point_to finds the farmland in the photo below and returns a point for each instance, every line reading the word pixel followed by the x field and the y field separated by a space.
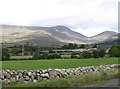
pixel 56 63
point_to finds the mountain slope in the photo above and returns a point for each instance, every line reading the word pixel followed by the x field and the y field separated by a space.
pixel 50 35
pixel 113 40
pixel 103 36
pixel 42 35
pixel 22 34
pixel 63 34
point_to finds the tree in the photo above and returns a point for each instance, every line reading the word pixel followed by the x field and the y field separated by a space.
pixel 101 53
pixel 5 54
pixel 114 51
pixel 51 51
pixel 86 54
pixel 44 56
pixel 70 46
pixel 54 56
pixel 94 46
pixel 64 47
pixel 38 56
pixel 16 51
pixel 81 55
pixel 74 55
pixel 95 54
pixel 82 46
pixel 75 46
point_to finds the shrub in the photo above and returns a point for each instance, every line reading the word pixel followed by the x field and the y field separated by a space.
pixel 54 56
pixel 114 51
pixel 86 54
pixel 5 54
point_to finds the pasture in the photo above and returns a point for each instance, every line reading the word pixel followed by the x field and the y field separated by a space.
pixel 57 63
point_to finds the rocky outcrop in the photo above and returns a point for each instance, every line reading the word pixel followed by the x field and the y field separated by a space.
pixel 11 76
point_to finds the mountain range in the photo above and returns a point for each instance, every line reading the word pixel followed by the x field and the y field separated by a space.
pixel 51 35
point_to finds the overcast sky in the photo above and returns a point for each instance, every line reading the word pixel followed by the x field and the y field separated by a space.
pixel 88 17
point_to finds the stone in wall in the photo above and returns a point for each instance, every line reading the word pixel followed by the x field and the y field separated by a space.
pixel 11 76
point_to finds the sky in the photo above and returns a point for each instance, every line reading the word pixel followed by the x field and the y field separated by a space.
pixel 88 17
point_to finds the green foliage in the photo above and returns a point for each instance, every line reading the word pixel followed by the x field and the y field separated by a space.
pixel 70 46
pixel 94 46
pixel 82 46
pixel 86 54
pixel 38 55
pixel 95 54
pixel 54 56
pixel 16 51
pixel 51 51
pixel 114 51
pixel 101 53
pixel 5 54
pixel 98 53
pixel 74 55
pixel 45 55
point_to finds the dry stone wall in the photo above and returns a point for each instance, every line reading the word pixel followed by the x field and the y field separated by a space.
pixel 11 76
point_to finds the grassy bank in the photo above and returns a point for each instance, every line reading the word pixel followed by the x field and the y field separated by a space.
pixel 75 81
pixel 62 63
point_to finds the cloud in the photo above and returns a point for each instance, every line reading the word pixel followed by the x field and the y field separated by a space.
pixel 80 15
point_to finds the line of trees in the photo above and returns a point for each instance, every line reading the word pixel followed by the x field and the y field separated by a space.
pixel 76 46
pixel 38 56
pixel 114 51
pixel 87 54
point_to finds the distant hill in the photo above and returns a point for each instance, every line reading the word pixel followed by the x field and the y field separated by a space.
pixel 113 40
pixel 104 36
pixel 50 35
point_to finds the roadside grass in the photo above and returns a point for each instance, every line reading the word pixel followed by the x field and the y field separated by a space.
pixel 58 63
pixel 74 81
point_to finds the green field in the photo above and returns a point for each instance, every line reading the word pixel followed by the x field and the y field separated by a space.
pixel 60 63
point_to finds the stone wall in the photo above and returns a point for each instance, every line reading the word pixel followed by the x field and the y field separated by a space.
pixel 11 76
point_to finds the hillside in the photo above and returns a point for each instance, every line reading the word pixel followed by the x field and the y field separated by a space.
pixel 50 35
pixel 103 36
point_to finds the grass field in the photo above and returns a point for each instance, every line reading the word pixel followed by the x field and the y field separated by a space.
pixel 62 63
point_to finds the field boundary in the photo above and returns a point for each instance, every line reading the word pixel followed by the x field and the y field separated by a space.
pixel 42 75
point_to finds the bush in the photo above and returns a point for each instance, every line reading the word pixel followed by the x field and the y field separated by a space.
pixel 40 56
pixel 95 54
pixel 70 46
pixel 82 46
pixel 114 51
pixel 98 53
pixel 54 56
pixel 101 53
pixel 5 54
pixel 73 55
pixel 86 54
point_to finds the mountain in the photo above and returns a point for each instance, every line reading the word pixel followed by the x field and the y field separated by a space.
pixel 113 40
pixel 23 34
pixel 104 36
pixel 63 34
pixel 49 35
